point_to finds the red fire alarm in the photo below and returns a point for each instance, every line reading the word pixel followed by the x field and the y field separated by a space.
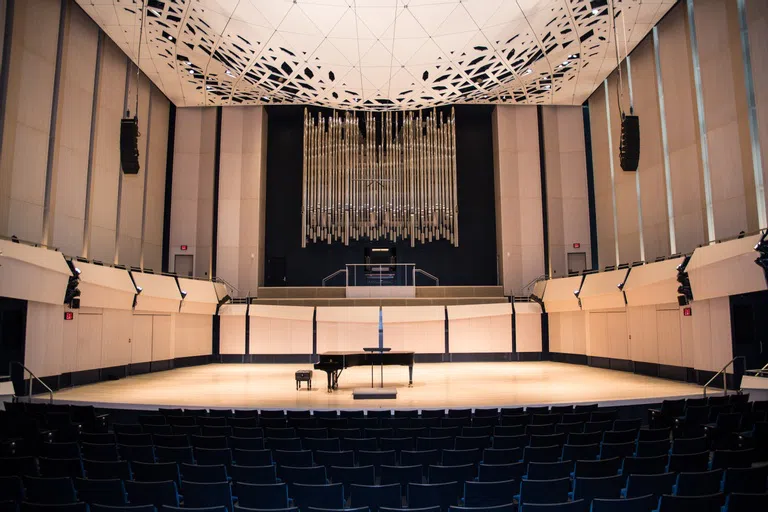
pixel 577 245
pixel 183 247
pixel 68 315
pixel 687 312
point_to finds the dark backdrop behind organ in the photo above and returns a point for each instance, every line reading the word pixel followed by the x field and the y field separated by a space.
pixel 473 262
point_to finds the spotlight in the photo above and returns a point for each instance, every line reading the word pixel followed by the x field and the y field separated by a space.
pixel 183 295
pixel 762 249
pixel 685 292
pixel 139 290
pixel 576 293
pixel 77 271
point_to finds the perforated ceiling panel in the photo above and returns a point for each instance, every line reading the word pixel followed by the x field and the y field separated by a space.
pixel 376 54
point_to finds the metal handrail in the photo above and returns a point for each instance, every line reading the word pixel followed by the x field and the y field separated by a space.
pixel 426 274
pixel 758 372
pixel 532 283
pixel 31 381
pixel 725 376
pixel 226 283
pixel 328 278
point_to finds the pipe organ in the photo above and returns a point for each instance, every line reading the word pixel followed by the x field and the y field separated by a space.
pixel 388 176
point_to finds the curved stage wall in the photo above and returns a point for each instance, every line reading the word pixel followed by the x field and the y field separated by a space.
pixel 473 262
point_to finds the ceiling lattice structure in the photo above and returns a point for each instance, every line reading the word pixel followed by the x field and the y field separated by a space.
pixel 376 54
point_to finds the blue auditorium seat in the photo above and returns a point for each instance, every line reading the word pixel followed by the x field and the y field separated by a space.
pixel 49 490
pixel 330 496
pixel 502 456
pixel 461 457
pixel 568 428
pixel 107 469
pixel 335 458
pixel 500 472
pixel 203 474
pixel 726 459
pixel 621 450
pixel 569 506
pixel 742 502
pixel 697 484
pixel 548 440
pixel 152 493
pixel 292 444
pixel 690 445
pixel 314 475
pixel 327 444
pixel 48 507
pixel 212 456
pixel 375 496
pixel 131 453
pixel 541 454
pixel 253 474
pixel 432 495
pixel 549 470
pixel 489 494
pixel 509 507
pixel 653 448
pixel 11 489
pixel 246 429
pixel 620 436
pixel 103 492
pixel 98 437
pixel 644 465
pixel 479 442
pixel 640 504
pixel 252 457
pixel 581 451
pixel 654 434
pixel 348 475
pixel 398 444
pixel 690 462
pixel 402 475
pixel 53 468
pixel 205 495
pixel 544 491
pixel 133 438
pixel 262 496
pixel 585 438
pixel 505 442
pixel 121 508
pixel 457 474
pixel 312 433
pixel 156 472
pixel 293 458
pixel 102 452
pixel 598 487
pixel 477 430
pixel 424 457
pixel 643 485
pixel 176 440
pixel 510 430
pixel 706 503
pixel 376 458
pixel 211 442
pixel 746 480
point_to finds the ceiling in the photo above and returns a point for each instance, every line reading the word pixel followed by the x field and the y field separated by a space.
pixel 376 54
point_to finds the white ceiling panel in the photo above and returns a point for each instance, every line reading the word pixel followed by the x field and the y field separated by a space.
pixel 375 54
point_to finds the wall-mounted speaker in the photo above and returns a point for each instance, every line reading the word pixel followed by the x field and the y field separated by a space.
pixel 629 150
pixel 129 145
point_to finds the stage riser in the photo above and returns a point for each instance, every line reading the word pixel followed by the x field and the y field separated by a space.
pixel 339 292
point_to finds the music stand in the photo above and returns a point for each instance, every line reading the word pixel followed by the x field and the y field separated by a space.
pixel 381 351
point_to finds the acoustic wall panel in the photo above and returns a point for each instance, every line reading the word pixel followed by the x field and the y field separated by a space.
pixel 32 273
pixel 193 335
pixel 654 283
pixel 419 329
pixel 201 296
pixel 601 290
pixel 527 327
pixel 347 328
pixel 726 268
pixel 159 294
pixel 480 328
pixel 232 328
pixel 559 294
pixel 105 287
pixel 280 329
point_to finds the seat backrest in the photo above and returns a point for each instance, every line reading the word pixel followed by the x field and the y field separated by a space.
pixel 335 458
pixel 211 456
pixel 156 472
pixel 502 442
pixel 568 506
pixel 541 454
pixel 692 462
pixel 246 443
pixel 502 456
pixel 348 475
pixel 252 457
pixel 741 502
pixel 653 448
pixel 642 485
pixel 42 507
pixel 152 493
pixel 18 466
pixel 585 438
pixel 125 508
pixel 253 474
pixel 107 469
pixel 375 496
pixel 653 434
pixel 432 495
pixel 459 457
pixel 54 468
pixel 600 487
pixel 303 475
pixel 620 436
pixel 330 496
pixel 298 458
pixel 174 454
pixel 689 445
pixel 644 465
pixel 204 474
pixel 376 458
pixel 402 475
pixel 423 457
pixel 597 468
pixel 696 484
pixel 210 494
pixel 549 470
pixel 724 459
pixel 746 480
pixel 581 451
pixel 544 491
pixel 621 450
pixel 133 439
pixel 397 443
pixel 640 504
pixel 208 441
pixel 262 496
pixel 460 473
pixel 104 492
pixel 489 494
pixel 705 503
pixel 11 489
pixel 497 472
pixel 548 440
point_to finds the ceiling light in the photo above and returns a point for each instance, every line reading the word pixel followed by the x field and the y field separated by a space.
pixel 595 12
pixel 170 37
pixel 189 63
pixel 191 71
pixel 547 86
pixel 528 72
pixel 572 56
pixel 265 98
pixel 208 87
pixel 155 12
pixel 566 62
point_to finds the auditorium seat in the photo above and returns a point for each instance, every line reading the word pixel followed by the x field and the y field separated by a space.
pixel 329 496
pixel 581 451
pixel 621 450
pixel 262 496
pixel 348 475
pixel 332 422
pixel 103 492
pixel 435 443
pixel 567 428
pixel 653 448
pixel 457 474
pixel 279 432
pixel 362 423
pixel 53 468
pixel 98 437
pixel 107 469
pixel 325 414
pixel 212 494
pixel 166 508
pixel 654 434
pixel 461 457
pixel 180 420
pixel 178 455
pixel 151 419
pixel 489 494
pixel 707 503
pixel 441 495
pixel 620 436
pixel 423 457
pixel 509 430
pixel 61 450
pixel 504 456
pixel 549 470
pixel 335 458
pixel 628 424
pixel 379 413
pixel 44 507
pixel 202 474
pixel 479 442
pixel 299 414
pixel 515 420
pixel 156 472
pixel 657 485
pixel 131 439
pixel 253 474
pixel 597 487
pixel 581 438
pixel 379 432
pixel 746 480
pixel 487 412
pixel 639 504
pixel 504 442
pixel 598 426
pixel 500 472
pixel 725 459
pixel 130 453
pixel 247 431
pixel 644 465
pixel 540 430
pixel 246 443
pixel 152 493
pixel 397 443
pixel 295 458
pixel 271 413
pixel 328 444
pixel 741 502
pixel 216 431
pixel 601 415
pixel 413 433
pixel 690 445
pixel 509 411
pixel 569 506
pixel 121 508
pixel 302 475
pixel 49 490
pixel 541 454
pixel 11 489
pixel 697 484
pixel 596 468
pixel 357 444
pixel 376 458
pixel 345 433
pixel 547 440
pixel 402 475
pixel 101 452
pixel 209 457
pixel 126 428
pixel 211 442
pixel 18 466
pixel 375 496
pixel 544 491
pixel 187 430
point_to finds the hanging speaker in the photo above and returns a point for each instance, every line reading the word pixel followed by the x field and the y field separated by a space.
pixel 629 150
pixel 129 145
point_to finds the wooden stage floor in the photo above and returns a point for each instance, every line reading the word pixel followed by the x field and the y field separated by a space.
pixel 435 385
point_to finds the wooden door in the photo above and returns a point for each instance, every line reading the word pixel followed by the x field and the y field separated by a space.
pixel 141 342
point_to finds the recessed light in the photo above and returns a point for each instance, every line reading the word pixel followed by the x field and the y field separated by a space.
pixel 595 12
pixel 155 12
pixel 566 62
pixel 191 71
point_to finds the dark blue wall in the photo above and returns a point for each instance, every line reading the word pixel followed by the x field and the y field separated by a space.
pixel 473 262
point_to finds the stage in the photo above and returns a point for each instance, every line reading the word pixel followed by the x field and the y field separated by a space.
pixel 435 385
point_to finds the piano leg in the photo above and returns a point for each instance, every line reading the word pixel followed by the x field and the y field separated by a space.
pixel 410 376
pixel 330 381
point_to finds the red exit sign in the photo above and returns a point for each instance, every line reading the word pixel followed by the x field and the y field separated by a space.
pixel 687 312
pixel 183 247
pixel 68 315
pixel 577 245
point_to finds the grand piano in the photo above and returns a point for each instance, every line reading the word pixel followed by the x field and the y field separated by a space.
pixel 333 363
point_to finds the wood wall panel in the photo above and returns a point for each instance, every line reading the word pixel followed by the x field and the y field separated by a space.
pixel 669 337
pixel 606 240
pixel 757 27
pixel 141 341
pixel 116 337
pixel 152 235
pixel 89 350
pixel 162 337
pixel 192 335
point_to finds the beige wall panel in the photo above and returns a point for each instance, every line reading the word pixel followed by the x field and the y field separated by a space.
pixel 425 337
pixel 579 329
pixel 598 341
pixel 27 118
pixel 280 336
pixel 528 333
pixel 44 339
pixel 116 337
pixel 669 336
pixel 155 193
pixel 602 179
pixel 106 153
pixel 192 335
pixel 89 344
pixel 489 334
pixel 682 130
pixel 141 341
pixel 643 335
pixel 132 194
pixel 757 26
pixel 702 335
pixel 73 132
pixel 653 188
pixel 725 107
pixel 162 337
pixel 555 339
pixel 232 334
pixel 720 325
pixel 343 336
pixel 617 335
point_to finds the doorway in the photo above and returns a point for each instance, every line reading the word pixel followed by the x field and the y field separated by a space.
pixel 183 265
pixel 275 272
pixel 577 262
pixel 749 328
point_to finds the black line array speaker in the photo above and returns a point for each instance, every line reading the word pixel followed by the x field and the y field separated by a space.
pixel 629 150
pixel 129 145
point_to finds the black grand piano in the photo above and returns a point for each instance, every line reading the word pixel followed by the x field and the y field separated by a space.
pixel 333 363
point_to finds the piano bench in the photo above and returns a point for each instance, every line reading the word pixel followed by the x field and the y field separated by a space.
pixel 303 376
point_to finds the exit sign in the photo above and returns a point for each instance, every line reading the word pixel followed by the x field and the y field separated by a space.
pixel 577 245
pixel 687 312
pixel 68 315
pixel 183 247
